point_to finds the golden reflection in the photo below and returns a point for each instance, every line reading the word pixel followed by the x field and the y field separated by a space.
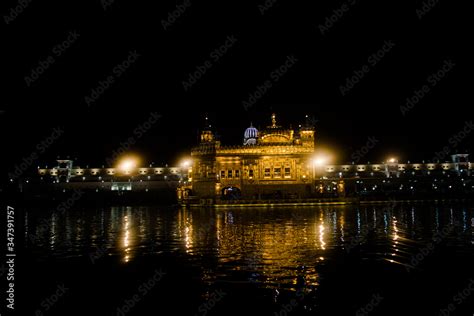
pixel 262 251
pixel 322 243
pixel 342 222
pixel 395 229
pixel 188 236
pixel 186 223
pixel 197 229
pixel 127 238
pixel 218 228
pixel 321 237
pixel 395 235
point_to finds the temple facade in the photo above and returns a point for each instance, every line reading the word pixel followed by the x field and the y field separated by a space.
pixel 273 162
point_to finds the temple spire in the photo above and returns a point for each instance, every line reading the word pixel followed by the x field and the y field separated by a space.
pixel 274 120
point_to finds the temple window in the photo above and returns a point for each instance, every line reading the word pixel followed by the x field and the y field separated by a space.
pixel 267 173
pixel 277 172
pixel 287 172
pixel 251 173
pixel 237 173
pixel 222 174
pixel 229 174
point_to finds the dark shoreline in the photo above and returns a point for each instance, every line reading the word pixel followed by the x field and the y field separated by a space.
pixel 168 199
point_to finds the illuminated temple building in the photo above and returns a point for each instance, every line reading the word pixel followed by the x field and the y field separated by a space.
pixel 273 162
pixel 279 163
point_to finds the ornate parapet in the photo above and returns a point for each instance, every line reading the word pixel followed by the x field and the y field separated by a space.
pixel 97 172
pixel 395 168
pixel 264 149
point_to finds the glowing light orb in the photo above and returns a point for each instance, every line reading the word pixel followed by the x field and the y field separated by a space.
pixel 127 165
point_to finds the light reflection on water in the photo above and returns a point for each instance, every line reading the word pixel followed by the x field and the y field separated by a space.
pixel 271 247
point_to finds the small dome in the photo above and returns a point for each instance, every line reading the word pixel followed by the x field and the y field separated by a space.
pixel 251 132
pixel 250 136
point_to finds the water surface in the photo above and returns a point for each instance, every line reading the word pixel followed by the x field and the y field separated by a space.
pixel 395 259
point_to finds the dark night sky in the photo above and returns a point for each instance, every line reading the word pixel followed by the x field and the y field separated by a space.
pixel 154 82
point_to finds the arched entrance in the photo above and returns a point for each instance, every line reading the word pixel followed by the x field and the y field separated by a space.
pixel 230 193
pixel 184 193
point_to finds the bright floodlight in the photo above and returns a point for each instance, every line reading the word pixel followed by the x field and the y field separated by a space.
pixel 186 163
pixel 392 160
pixel 127 165
pixel 320 161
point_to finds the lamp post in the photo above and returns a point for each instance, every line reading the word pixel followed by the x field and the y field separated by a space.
pixel 128 165
pixel 391 166
pixel 318 165
pixel 185 165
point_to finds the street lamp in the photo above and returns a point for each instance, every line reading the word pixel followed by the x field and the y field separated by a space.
pixel 126 165
pixel 391 166
pixel 319 161
pixel 185 166
pixel 186 163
